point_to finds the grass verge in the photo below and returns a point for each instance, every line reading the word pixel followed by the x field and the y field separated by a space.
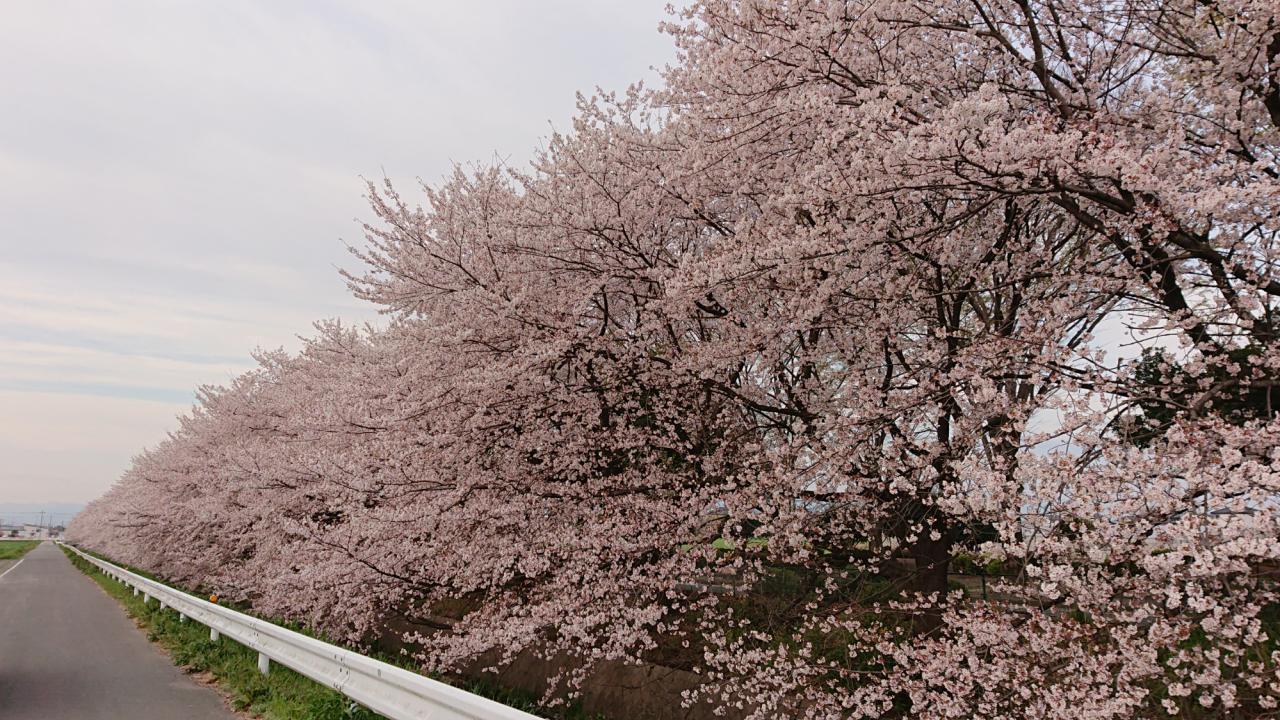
pixel 14 549
pixel 281 695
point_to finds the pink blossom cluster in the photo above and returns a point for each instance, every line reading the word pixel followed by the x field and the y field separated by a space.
pixel 894 359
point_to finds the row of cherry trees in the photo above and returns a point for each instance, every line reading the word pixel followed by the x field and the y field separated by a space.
pixel 870 293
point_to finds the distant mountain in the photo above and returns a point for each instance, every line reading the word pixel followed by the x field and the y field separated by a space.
pixel 55 513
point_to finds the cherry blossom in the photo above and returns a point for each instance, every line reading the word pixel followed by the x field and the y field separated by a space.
pixel 756 374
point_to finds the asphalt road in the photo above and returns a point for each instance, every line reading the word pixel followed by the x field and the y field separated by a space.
pixel 69 652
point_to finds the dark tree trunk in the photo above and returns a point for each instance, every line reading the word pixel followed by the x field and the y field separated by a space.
pixel 933 562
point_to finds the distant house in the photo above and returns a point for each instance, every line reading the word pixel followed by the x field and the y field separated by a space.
pixel 30 530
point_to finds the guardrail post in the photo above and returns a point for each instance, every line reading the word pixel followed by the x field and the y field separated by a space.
pixel 264 663
pixel 214 635
pixel 136 591
pixel 145 598
pixel 182 617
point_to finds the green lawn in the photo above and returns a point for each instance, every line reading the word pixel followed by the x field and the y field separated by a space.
pixel 14 549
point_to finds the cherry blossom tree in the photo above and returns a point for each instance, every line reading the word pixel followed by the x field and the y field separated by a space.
pixel 742 373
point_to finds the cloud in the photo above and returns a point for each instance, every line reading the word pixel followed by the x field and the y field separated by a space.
pixel 65 448
pixel 181 177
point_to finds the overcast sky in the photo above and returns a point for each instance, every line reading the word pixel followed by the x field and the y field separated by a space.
pixel 178 179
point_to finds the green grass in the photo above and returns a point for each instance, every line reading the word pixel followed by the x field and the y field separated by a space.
pixel 280 695
pixel 14 549
pixel 283 694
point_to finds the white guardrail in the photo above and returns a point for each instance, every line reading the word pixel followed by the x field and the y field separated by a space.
pixel 384 688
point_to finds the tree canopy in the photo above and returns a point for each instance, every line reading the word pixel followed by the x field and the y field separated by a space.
pixel 742 372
